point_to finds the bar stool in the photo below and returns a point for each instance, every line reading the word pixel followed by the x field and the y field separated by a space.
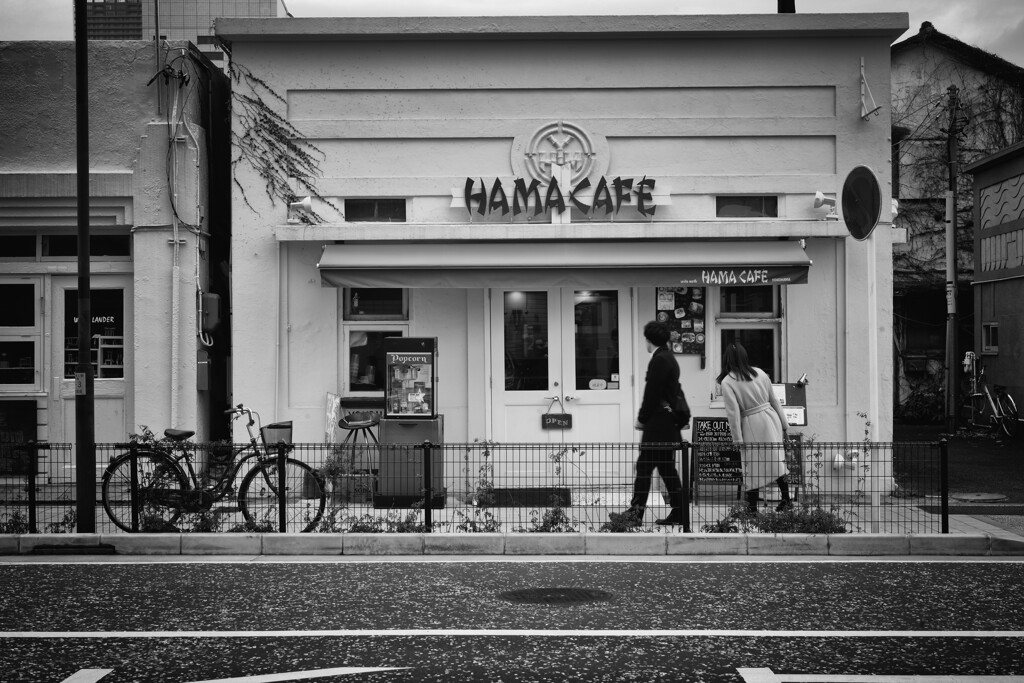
pixel 360 423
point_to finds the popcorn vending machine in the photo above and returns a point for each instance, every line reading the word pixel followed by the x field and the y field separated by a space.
pixel 410 387
pixel 410 419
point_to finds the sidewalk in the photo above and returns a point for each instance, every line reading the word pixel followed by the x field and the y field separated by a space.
pixel 968 536
pixel 986 477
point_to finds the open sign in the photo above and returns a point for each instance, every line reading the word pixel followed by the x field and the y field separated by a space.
pixel 556 421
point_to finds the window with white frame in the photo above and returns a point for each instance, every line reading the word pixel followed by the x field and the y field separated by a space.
pixel 20 333
pixel 363 362
pixel 753 317
pixel 363 303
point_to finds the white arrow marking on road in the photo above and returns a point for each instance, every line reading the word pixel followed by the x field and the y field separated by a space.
pixel 87 676
pixel 302 675
pixel 769 676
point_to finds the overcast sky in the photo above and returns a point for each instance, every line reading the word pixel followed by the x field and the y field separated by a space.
pixel 993 25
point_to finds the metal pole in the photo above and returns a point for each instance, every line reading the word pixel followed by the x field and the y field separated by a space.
pixel 33 467
pixel 428 491
pixel 85 430
pixel 282 495
pixel 952 393
pixel 944 483
pixel 133 493
pixel 686 486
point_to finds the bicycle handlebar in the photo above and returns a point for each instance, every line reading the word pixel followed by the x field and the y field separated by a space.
pixel 240 409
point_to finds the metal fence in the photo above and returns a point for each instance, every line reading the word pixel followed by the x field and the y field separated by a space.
pixel 471 487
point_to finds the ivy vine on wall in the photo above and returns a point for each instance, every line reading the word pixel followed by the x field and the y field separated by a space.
pixel 267 142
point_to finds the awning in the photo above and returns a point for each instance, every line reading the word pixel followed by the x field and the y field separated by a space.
pixel 523 265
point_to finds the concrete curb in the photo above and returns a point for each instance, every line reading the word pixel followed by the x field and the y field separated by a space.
pixel 515 544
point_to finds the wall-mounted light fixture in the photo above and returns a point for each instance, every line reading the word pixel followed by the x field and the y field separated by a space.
pixel 820 200
pixel 303 206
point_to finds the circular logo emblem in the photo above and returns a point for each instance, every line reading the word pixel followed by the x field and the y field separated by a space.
pixel 559 144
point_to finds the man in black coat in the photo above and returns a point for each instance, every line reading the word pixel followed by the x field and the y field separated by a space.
pixel 658 424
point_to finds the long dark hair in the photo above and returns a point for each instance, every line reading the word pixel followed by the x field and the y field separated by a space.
pixel 735 360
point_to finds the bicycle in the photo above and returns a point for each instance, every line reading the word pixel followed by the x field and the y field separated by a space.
pixel 155 483
pixel 983 409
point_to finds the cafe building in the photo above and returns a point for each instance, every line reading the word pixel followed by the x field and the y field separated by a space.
pixel 530 191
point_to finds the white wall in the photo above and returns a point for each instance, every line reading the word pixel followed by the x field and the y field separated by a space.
pixel 414 118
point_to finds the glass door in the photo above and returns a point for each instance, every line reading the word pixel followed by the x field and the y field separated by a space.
pixel 561 352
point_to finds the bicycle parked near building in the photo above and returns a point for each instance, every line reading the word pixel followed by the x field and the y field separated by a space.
pixel 163 476
pixel 983 409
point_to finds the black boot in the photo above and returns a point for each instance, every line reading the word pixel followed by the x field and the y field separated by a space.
pixel 674 517
pixel 786 503
pixel 752 501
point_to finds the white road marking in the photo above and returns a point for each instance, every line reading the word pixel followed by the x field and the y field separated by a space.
pixel 302 675
pixel 440 632
pixel 768 676
pixel 87 676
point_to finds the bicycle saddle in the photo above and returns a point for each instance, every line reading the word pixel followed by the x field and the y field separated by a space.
pixel 177 434
pixel 359 420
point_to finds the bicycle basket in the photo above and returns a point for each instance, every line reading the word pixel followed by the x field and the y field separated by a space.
pixel 274 433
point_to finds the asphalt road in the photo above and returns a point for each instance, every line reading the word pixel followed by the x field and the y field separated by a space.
pixel 375 619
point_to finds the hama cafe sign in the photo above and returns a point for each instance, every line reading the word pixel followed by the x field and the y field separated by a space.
pixel 557 169
pixel 607 196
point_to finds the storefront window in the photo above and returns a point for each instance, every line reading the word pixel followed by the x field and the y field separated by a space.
pixel 760 346
pixel 747 206
pixel 526 341
pixel 17 246
pixel 107 343
pixel 386 210
pixel 750 315
pixel 749 301
pixel 19 333
pixel 366 359
pixel 106 246
pixel 597 337
pixel 376 304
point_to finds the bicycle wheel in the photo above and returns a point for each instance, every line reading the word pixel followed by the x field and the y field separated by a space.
pixel 1008 408
pixel 304 496
pixel 161 487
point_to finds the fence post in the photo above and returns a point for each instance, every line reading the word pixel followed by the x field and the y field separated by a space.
pixel 944 483
pixel 428 490
pixel 133 493
pixel 33 466
pixel 282 495
pixel 685 475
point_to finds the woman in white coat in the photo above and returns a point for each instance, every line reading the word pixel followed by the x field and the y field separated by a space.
pixel 755 417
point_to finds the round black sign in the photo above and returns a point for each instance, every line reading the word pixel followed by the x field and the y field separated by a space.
pixel 862 202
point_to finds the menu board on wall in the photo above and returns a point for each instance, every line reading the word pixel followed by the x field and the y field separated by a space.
pixel 682 309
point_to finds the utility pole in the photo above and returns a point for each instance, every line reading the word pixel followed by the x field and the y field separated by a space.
pixel 85 429
pixel 952 365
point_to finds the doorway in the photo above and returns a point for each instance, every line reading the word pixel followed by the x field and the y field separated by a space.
pixel 562 351
pixel 110 354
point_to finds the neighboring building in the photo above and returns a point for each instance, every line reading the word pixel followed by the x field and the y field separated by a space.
pixel 158 207
pixel 989 115
pixel 999 267
pixel 178 20
pixel 113 19
pixel 703 140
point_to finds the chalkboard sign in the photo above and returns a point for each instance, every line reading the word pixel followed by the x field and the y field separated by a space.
pixel 717 459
